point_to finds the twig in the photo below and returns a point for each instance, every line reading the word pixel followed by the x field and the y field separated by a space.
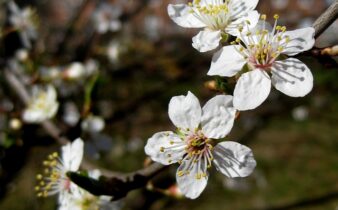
pixel 326 19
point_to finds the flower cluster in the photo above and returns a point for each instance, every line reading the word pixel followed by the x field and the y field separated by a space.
pixel 256 58
pixel 55 181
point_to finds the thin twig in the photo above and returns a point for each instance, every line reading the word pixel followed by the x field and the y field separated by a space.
pixel 326 19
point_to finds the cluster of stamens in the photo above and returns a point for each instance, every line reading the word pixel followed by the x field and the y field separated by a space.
pixel 215 16
pixel 53 178
pixel 199 152
pixel 262 48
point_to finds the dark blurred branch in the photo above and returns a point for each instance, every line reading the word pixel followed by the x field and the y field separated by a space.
pixel 117 186
pixel 326 19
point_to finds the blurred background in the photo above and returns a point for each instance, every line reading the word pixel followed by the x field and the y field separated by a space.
pixel 143 60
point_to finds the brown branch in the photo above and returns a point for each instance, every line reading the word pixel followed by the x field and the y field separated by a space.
pixel 326 19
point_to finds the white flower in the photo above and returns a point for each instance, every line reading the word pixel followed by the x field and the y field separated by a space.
pixel 82 200
pixel 43 105
pixel 217 17
pixel 23 21
pixel 78 70
pixel 261 50
pixel 93 124
pixel 191 145
pixel 106 18
pixel 54 180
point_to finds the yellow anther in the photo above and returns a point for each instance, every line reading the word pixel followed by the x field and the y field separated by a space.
pixel 169 155
pixel 198 176
pixel 276 16
pixel 161 149
pixel 238 40
pixel 39 177
pixel 263 17
pixel 37 188
pixel 180 173
pixel 171 142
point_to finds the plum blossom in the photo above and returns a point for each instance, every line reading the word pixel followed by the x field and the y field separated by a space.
pixel 106 18
pixel 218 18
pixel 191 146
pixel 54 179
pixel 24 21
pixel 260 49
pixel 82 200
pixel 43 105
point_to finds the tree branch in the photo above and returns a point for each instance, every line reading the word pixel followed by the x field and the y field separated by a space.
pixel 326 19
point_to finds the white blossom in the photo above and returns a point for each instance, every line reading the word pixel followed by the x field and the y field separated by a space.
pixel 106 18
pixel 54 179
pixel 80 199
pixel 42 106
pixel 93 124
pixel 260 49
pixel 217 17
pixel 191 146
pixel 23 21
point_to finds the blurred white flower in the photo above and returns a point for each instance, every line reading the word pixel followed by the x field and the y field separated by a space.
pixel 82 200
pixel 218 18
pixel 106 18
pixel 191 145
pixel 93 124
pixel 49 73
pixel 21 55
pixel 152 27
pixel 280 4
pixel 74 71
pixel 54 179
pixel 43 105
pixel 15 124
pixel 24 21
pixel 260 49
pixel 71 114
pixel 300 113
pixel 114 51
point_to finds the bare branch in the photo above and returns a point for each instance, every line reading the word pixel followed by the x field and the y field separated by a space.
pixel 326 19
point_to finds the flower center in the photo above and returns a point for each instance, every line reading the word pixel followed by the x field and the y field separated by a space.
pixel 54 179
pixel 215 15
pixel 261 48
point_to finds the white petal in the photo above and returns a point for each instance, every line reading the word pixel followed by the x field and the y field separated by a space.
pixel 300 40
pixel 181 15
pixel 292 77
pixel 226 62
pixel 206 40
pixel 218 117
pixel 252 16
pixel 72 154
pixel 188 183
pixel 233 159
pixel 33 116
pixel 239 8
pixel 251 90
pixel 165 148
pixel 185 111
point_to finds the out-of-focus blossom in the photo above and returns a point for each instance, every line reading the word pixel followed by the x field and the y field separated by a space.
pixel 152 27
pixel 191 145
pixel 218 18
pixel 280 4
pixel 300 113
pixel 83 200
pixel 114 51
pixel 106 18
pixel 93 124
pixel 54 179
pixel 74 71
pixel 71 114
pixel 15 124
pixel 260 50
pixel 21 55
pixel 24 21
pixel 49 73
pixel 42 106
